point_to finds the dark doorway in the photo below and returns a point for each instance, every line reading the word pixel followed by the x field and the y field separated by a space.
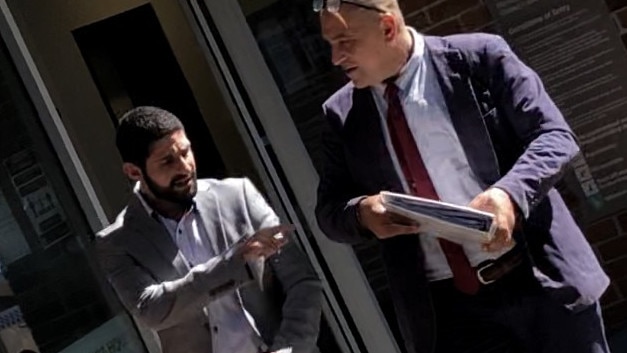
pixel 132 64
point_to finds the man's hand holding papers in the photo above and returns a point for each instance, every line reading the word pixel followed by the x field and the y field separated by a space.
pixel 384 224
pixel 455 223
pixel 497 202
pixel 489 218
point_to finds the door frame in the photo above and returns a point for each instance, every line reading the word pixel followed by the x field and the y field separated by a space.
pixel 71 165
pixel 232 52
pixel 50 119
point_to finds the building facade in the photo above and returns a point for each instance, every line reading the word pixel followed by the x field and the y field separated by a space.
pixel 247 78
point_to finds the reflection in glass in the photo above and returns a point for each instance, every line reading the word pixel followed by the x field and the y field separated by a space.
pixel 51 296
pixel 288 36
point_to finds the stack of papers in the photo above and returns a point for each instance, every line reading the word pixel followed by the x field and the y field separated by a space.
pixel 456 223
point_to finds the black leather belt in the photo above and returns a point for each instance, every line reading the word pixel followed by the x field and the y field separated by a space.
pixel 492 270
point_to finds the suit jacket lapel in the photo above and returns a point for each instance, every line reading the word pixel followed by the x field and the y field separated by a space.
pixel 454 78
pixel 209 208
pixel 153 243
pixel 365 124
pixel 221 223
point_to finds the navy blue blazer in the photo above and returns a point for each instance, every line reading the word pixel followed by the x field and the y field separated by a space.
pixel 514 137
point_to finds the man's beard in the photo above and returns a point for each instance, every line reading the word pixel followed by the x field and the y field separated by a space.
pixel 170 194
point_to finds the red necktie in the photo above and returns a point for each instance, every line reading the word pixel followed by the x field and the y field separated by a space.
pixel 419 182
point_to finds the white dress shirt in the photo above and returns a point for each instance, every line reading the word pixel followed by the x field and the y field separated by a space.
pixel 233 329
pixel 442 153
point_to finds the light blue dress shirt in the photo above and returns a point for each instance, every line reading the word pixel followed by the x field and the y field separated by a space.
pixel 442 153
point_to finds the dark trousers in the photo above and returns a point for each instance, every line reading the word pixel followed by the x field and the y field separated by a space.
pixel 513 315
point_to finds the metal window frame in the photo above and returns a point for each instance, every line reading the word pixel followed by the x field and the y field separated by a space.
pixel 263 95
pixel 53 126
pixel 50 119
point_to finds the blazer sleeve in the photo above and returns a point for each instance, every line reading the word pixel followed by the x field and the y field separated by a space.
pixel 301 310
pixel 338 196
pixel 537 122
pixel 160 305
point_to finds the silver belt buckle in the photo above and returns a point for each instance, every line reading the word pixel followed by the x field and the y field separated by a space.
pixel 480 276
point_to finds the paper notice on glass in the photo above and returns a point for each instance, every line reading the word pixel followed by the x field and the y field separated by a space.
pixel 456 223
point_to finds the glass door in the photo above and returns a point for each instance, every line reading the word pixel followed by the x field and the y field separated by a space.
pixel 277 70
pixel 52 296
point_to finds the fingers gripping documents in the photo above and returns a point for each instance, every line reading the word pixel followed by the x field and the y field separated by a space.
pixel 456 223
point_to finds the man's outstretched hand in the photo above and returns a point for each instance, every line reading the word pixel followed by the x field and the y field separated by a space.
pixel 265 242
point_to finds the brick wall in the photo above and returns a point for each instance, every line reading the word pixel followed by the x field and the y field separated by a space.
pixel 446 16
pixel 608 236
pixel 619 10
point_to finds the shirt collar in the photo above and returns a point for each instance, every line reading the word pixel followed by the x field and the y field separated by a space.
pixel 151 212
pixel 139 195
pixel 408 73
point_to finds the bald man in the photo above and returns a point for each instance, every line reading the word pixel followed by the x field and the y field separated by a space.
pixel 463 120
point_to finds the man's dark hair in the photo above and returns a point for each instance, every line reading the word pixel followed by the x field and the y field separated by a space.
pixel 139 128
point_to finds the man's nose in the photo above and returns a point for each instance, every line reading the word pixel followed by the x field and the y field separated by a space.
pixel 186 164
pixel 337 56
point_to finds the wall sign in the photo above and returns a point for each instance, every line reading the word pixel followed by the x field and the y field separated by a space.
pixel 575 47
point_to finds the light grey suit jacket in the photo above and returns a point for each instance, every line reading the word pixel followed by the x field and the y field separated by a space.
pixel 151 278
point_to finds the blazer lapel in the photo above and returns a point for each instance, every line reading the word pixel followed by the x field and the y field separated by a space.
pixel 209 208
pixel 454 78
pixel 222 223
pixel 154 244
pixel 365 124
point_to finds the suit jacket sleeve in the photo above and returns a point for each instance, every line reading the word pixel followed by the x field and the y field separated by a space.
pixel 549 142
pixel 303 292
pixel 161 305
pixel 338 196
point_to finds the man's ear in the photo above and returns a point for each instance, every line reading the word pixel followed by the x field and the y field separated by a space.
pixel 389 27
pixel 132 171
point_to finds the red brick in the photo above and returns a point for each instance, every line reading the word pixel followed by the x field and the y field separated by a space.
pixel 616 4
pixel 575 210
pixel 476 18
pixel 622 17
pixel 446 28
pixel 622 287
pixel 409 6
pixel 449 8
pixel 614 248
pixel 622 218
pixel 419 21
pixel 611 296
pixel 570 197
pixel 601 230
pixel 597 254
pixel 615 315
pixel 617 270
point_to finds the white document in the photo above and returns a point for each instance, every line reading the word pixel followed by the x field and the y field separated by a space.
pixel 456 223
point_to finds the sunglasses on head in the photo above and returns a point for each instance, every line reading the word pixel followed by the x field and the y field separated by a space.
pixel 334 5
